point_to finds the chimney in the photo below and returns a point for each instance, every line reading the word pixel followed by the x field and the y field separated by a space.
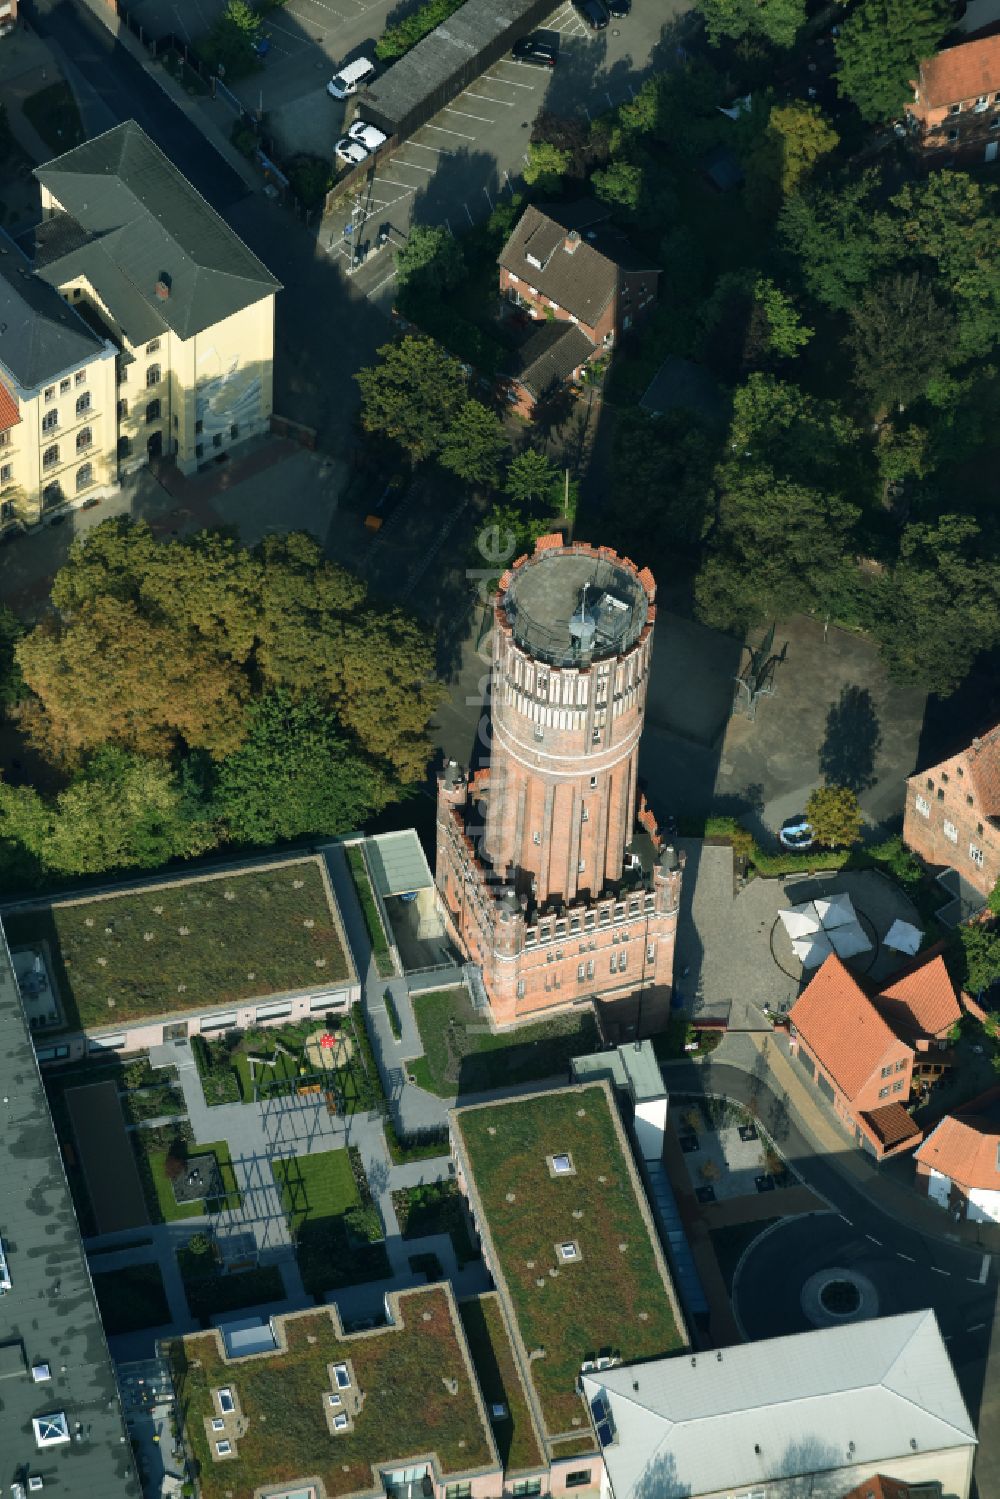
pixel 162 287
pixel 572 241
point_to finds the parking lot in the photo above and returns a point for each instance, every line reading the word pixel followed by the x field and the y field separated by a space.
pixel 454 168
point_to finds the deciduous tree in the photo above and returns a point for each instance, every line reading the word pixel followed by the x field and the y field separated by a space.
pixel 880 47
pixel 834 816
pixel 900 337
pixel 431 261
pixel 798 136
pixel 474 444
pixel 413 395
pixel 546 166
pixel 774 21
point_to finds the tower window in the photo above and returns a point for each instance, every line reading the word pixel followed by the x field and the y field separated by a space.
pixel 593 783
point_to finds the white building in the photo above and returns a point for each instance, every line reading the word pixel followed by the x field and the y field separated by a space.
pixel 959 1163
pixel 814 1414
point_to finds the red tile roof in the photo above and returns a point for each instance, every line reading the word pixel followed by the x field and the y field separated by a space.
pixel 880 1487
pixel 962 72
pixel 10 412
pixel 965 1149
pixel 841 1027
pixel 921 1001
pixel 982 760
pixel 890 1126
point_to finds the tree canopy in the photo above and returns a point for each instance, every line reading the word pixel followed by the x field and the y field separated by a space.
pixel 880 47
pixel 774 21
pixel 413 395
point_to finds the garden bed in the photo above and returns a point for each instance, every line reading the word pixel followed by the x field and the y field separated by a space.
pixel 369 909
pixel 153 1148
pixel 423 1145
pixel 435 1208
pixel 462 1055
pixel 210 1293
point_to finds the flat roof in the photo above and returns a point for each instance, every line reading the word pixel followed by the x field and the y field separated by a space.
pixel 614 1296
pixel 411 1396
pixel 574 586
pixel 49 1316
pixel 397 863
pixel 500 1381
pixel 170 946
pixel 632 1066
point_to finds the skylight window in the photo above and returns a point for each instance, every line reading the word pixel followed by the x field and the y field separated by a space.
pixel 334 1400
pixel 226 1401
pixel 40 1373
pixel 218 1424
pixel 224 1448
pixel 51 1430
pixel 342 1376
pixel 4 1272
pixel 340 1422
pixel 562 1165
pixel 499 1411
pixel 569 1250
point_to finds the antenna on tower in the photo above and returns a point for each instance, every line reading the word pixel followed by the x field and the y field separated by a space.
pixel 582 629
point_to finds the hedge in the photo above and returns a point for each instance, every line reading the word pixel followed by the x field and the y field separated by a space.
pixel 397 40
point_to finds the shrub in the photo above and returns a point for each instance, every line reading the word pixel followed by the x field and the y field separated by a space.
pixel 421 1145
pixel 395 1024
pixel 397 40
pixel 311 179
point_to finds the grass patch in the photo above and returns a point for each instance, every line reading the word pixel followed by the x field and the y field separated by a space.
pixel 210 1293
pixel 153 1146
pixel 493 1356
pixel 594 1302
pixel 373 921
pixel 213 941
pixel 336 1227
pixel 424 1145
pixel 435 1208
pixel 462 1054
pixel 729 1243
pixel 54 114
pixel 408 1372
pixel 131 1298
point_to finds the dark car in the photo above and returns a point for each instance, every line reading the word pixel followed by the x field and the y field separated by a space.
pixel 619 8
pixel 533 49
pixel 593 12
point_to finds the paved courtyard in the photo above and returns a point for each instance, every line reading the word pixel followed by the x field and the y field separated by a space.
pixel 726 963
pixel 727 1159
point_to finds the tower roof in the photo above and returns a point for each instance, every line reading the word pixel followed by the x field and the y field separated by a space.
pixel 570 603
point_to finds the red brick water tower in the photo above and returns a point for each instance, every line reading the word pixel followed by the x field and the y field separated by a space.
pixel 552 875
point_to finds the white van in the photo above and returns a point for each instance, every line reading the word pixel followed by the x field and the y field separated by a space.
pixel 351 78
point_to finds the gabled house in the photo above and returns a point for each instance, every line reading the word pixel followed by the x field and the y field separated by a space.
pixel 566 265
pixel 865 1052
pixel 959 1162
pixel 955 114
pixel 952 818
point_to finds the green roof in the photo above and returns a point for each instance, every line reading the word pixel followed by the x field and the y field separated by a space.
pixel 172 946
pixel 143 217
pixel 500 1381
pixel 616 1296
pixel 420 1399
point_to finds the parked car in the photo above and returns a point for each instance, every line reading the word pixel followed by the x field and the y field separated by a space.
pixel 532 49
pixel 370 137
pixel 796 833
pixel 353 152
pixel 619 8
pixel 354 76
pixel 593 12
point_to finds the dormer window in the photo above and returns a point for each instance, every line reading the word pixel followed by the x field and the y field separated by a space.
pixel 533 260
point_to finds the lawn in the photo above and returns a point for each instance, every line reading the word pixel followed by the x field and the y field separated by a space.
pixel 209 1293
pixel 615 1294
pixel 336 1227
pixel 193 945
pixel 500 1382
pixel 54 114
pixel 370 911
pixel 462 1054
pixel 435 1208
pixel 152 1146
pixel 131 1298
pixel 420 1399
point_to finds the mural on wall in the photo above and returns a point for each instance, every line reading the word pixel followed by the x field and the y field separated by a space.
pixel 227 394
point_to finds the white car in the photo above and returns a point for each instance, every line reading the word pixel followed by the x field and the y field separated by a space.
pixel 350 151
pixel 368 135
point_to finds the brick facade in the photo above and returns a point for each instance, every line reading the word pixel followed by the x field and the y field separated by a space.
pixel 950 815
pixel 634 298
pixel 550 870
pixel 955 114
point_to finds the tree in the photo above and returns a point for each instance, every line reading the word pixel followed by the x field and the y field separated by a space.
pixel 901 454
pixel 229 44
pixel 979 963
pixel 993 899
pixel 294 775
pixel 774 21
pixel 940 605
pixel 430 262
pixel 777 423
pixel 531 477
pixel 11 681
pixel 830 232
pixel 879 49
pixel 749 323
pixel 620 183
pixel 834 816
pixel 797 137
pixel 546 166
pixel 900 337
pixel 662 498
pixel 474 444
pixel 413 396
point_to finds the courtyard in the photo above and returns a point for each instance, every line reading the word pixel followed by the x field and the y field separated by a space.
pixel 726 1152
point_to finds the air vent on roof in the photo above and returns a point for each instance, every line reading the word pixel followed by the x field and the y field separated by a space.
pixel 572 242
pixel 162 287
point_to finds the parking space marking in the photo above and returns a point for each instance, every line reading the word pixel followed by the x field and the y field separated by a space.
pixel 438 150
pixel 984 1270
pixel 444 131
pixel 903 1256
pixel 483 119
pixel 511 82
pixel 938 1271
pixel 412 166
pixel 873 1238
pixel 489 99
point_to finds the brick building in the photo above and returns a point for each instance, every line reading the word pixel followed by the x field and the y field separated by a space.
pixel 952 818
pixel 551 872
pixel 868 1052
pixel 958 1164
pixel 566 266
pixel 955 114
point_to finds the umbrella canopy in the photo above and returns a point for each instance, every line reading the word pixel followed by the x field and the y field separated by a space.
pixel 902 937
pixel 813 950
pixel 800 921
pixel 835 910
pixel 821 927
pixel 849 940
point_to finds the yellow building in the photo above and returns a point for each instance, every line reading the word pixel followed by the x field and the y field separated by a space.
pixel 159 290
pixel 58 433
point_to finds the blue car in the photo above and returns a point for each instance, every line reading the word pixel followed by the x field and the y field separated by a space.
pixel 796 833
